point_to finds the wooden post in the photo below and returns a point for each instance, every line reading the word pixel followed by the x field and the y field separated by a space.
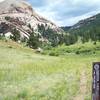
pixel 96 81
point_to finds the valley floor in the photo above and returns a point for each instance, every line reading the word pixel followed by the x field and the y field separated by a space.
pixel 25 75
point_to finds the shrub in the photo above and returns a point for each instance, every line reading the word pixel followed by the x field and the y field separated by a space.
pixel 33 41
pixel 23 94
pixel 54 54
pixel 77 52
pixel 83 51
pixel 16 35
pixel 95 43
pixel 7 18
pixel 10 47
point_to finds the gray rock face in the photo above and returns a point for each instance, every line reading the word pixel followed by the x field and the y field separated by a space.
pixel 15 6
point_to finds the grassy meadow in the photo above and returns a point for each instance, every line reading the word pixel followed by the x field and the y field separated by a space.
pixel 26 75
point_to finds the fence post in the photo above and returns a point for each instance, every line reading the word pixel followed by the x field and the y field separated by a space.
pixel 96 81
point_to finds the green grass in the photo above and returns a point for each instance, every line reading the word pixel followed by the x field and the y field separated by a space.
pixel 79 48
pixel 25 75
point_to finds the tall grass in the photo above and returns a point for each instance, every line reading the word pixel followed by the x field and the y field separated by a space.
pixel 25 75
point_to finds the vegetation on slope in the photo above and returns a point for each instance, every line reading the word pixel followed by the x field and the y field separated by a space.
pixel 87 29
pixel 79 49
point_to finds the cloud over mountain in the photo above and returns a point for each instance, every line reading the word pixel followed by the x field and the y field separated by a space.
pixel 66 12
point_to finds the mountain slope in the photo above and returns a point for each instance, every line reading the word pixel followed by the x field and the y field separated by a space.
pixel 92 21
pixel 19 14
pixel 87 29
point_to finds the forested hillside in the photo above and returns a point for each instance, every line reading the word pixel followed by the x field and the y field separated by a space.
pixel 87 29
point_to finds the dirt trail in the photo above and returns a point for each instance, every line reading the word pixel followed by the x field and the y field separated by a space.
pixel 83 82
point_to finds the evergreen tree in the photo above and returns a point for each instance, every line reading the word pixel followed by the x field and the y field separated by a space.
pixel 33 41
pixel 16 35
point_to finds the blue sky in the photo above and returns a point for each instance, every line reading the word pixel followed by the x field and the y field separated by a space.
pixel 66 12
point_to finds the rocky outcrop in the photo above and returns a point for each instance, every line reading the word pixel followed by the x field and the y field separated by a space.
pixel 20 14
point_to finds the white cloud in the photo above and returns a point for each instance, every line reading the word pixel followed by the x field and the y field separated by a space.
pixel 73 20
pixel 1 0
pixel 68 12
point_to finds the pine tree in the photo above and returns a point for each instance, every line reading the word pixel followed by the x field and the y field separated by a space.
pixel 16 35
pixel 33 41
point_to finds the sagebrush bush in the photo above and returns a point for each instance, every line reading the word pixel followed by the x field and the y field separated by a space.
pixel 54 54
